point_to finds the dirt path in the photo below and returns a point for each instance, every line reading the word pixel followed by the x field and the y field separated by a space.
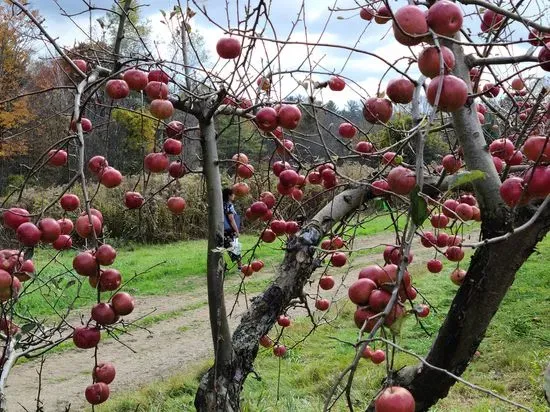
pixel 162 350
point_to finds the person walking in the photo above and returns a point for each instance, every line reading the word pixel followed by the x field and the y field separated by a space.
pixel 231 226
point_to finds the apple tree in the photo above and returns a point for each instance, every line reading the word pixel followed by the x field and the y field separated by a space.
pixel 464 79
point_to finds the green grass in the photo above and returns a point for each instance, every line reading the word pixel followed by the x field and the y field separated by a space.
pixel 512 356
pixel 149 270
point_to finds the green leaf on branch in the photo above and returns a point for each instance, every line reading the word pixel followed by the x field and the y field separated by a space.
pixel 419 207
pixel 466 177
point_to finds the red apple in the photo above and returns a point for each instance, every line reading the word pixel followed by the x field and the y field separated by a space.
pixel 289 116
pixel 537 180
pixel 364 147
pixel 535 147
pixel 86 337
pixel 104 372
pixel 174 130
pixel 400 90
pixel 85 264
pixel 57 157
pixel 383 15
pixel 85 229
pixel 491 20
pixel 445 18
pixel 360 291
pixel 338 259
pixel 109 280
pixel 434 265
pixel 81 64
pixel 279 166
pixel 240 189
pixel 283 321
pixel 84 122
pixel 105 255
pixel 457 276
pixel 136 79
pixel 156 90
pixel 133 200
pixel 454 93
pixel 268 236
pixel 176 205
pixel 511 191
pixel 172 146
pixel 156 162
pixel 451 164
pixel 15 216
pixel 268 199
pixel 366 13
pixel 429 61
pixel 454 253
pixel 96 164
pixel 401 180
pixel 266 119
pixel 69 202
pixel 380 188
pixel 439 221
pixel 449 208
pixel 347 130
pixel 464 211
pixel 63 242
pixel 394 399
pixel 322 304
pixel 279 350
pixel 110 177
pixel 326 282
pixel 117 89
pixel 103 314
pixel 66 226
pixel 28 234
pixel 292 227
pixel 377 110
pixel 123 303
pixel 336 84
pixel 158 75
pixel 161 109
pixel 409 25
pixel 50 229
pixel 517 84
pixel 266 341
pixel 97 393
pixel 544 57
pixel 228 48
pixel 177 169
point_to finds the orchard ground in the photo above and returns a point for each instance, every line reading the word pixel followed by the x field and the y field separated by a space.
pixel 172 306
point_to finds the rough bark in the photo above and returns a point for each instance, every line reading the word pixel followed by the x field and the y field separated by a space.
pixel 214 392
pixel 298 265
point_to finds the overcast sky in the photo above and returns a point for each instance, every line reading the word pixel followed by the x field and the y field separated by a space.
pixel 342 28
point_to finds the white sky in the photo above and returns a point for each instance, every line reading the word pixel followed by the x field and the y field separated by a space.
pixel 343 28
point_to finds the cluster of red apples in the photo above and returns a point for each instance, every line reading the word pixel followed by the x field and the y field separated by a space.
pixel 14 269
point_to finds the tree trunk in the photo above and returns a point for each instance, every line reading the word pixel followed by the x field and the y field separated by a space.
pixel 296 269
pixel 213 393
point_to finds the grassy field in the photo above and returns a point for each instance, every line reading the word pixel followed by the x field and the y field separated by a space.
pixel 148 270
pixel 512 356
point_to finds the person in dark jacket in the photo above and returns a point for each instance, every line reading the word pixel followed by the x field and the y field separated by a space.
pixel 231 223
